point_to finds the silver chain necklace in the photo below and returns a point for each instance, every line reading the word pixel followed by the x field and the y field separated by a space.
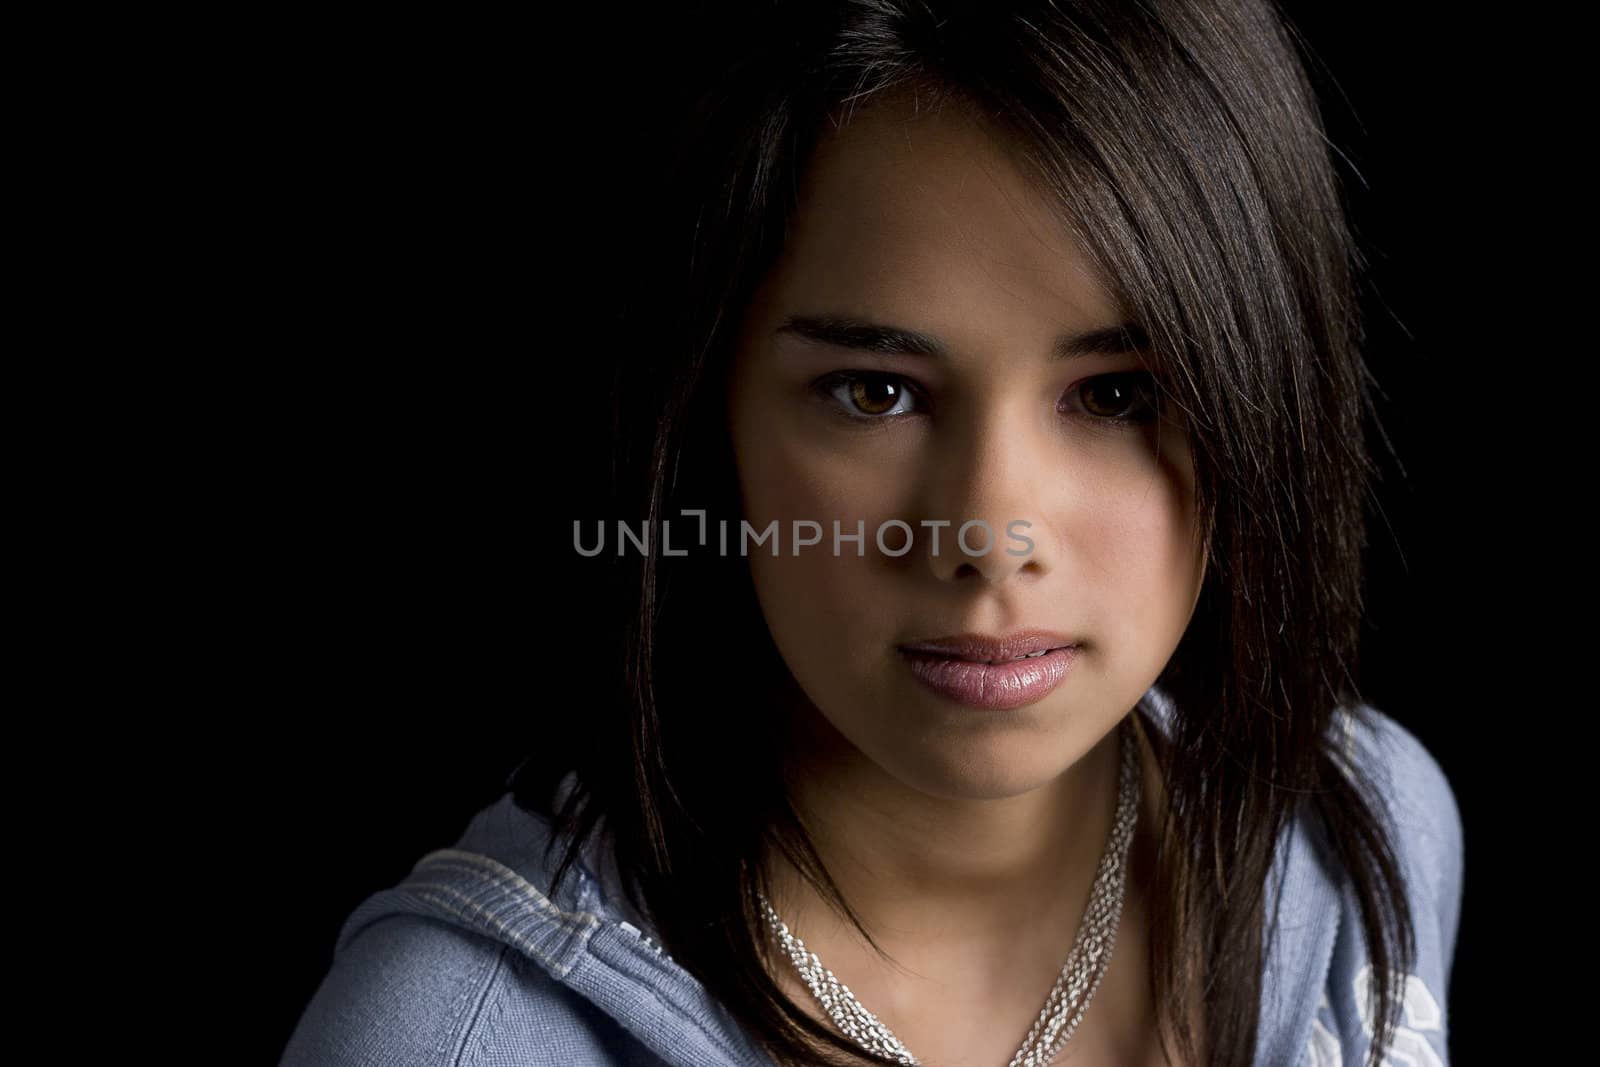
pixel 1080 975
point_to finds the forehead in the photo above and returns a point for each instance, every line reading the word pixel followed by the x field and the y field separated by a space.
pixel 928 214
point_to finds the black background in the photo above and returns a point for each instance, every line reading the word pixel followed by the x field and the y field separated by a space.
pixel 436 219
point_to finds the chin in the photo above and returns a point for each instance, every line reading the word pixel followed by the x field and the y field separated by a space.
pixel 969 774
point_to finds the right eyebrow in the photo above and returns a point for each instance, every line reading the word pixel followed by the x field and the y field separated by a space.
pixel 844 331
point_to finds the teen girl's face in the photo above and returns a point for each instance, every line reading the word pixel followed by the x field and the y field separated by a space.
pixel 923 224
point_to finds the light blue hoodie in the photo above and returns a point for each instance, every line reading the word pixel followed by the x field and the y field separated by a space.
pixel 471 961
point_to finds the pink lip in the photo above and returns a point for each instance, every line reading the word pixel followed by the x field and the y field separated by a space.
pixel 959 667
pixel 975 646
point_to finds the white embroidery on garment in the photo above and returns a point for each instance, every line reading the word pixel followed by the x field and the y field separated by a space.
pixel 1420 1012
pixel 1323 1049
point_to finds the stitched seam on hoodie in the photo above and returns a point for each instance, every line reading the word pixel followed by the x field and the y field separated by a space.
pixel 501 928
pixel 717 1040
pixel 566 922
pixel 557 969
pixel 458 1008
pixel 1324 970
pixel 501 875
pixel 508 880
pixel 472 1051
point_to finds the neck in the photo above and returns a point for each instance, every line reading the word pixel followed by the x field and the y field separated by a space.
pixel 918 868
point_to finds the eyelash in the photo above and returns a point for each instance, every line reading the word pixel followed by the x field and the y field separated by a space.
pixel 1142 382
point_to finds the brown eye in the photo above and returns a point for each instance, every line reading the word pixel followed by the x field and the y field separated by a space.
pixel 1127 397
pixel 867 396
pixel 875 396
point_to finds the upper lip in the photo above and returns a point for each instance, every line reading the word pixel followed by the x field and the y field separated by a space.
pixel 985 647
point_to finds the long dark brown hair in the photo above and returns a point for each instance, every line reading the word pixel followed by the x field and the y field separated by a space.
pixel 1183 142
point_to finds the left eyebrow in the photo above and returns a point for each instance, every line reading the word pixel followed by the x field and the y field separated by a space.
pixel 843 331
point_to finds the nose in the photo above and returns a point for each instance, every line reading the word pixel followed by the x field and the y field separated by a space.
pixel 989 481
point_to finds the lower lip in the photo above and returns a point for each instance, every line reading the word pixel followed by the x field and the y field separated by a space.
pixel 993 686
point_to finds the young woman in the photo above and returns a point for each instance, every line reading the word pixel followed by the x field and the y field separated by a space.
pixel 1026 335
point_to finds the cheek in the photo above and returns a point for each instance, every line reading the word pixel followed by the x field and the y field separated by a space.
pixel 831 615
pixel 1137 535
pixel 794 466
pixel 817 593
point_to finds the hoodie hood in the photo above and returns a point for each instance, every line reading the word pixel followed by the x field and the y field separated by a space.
pixel 495 882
